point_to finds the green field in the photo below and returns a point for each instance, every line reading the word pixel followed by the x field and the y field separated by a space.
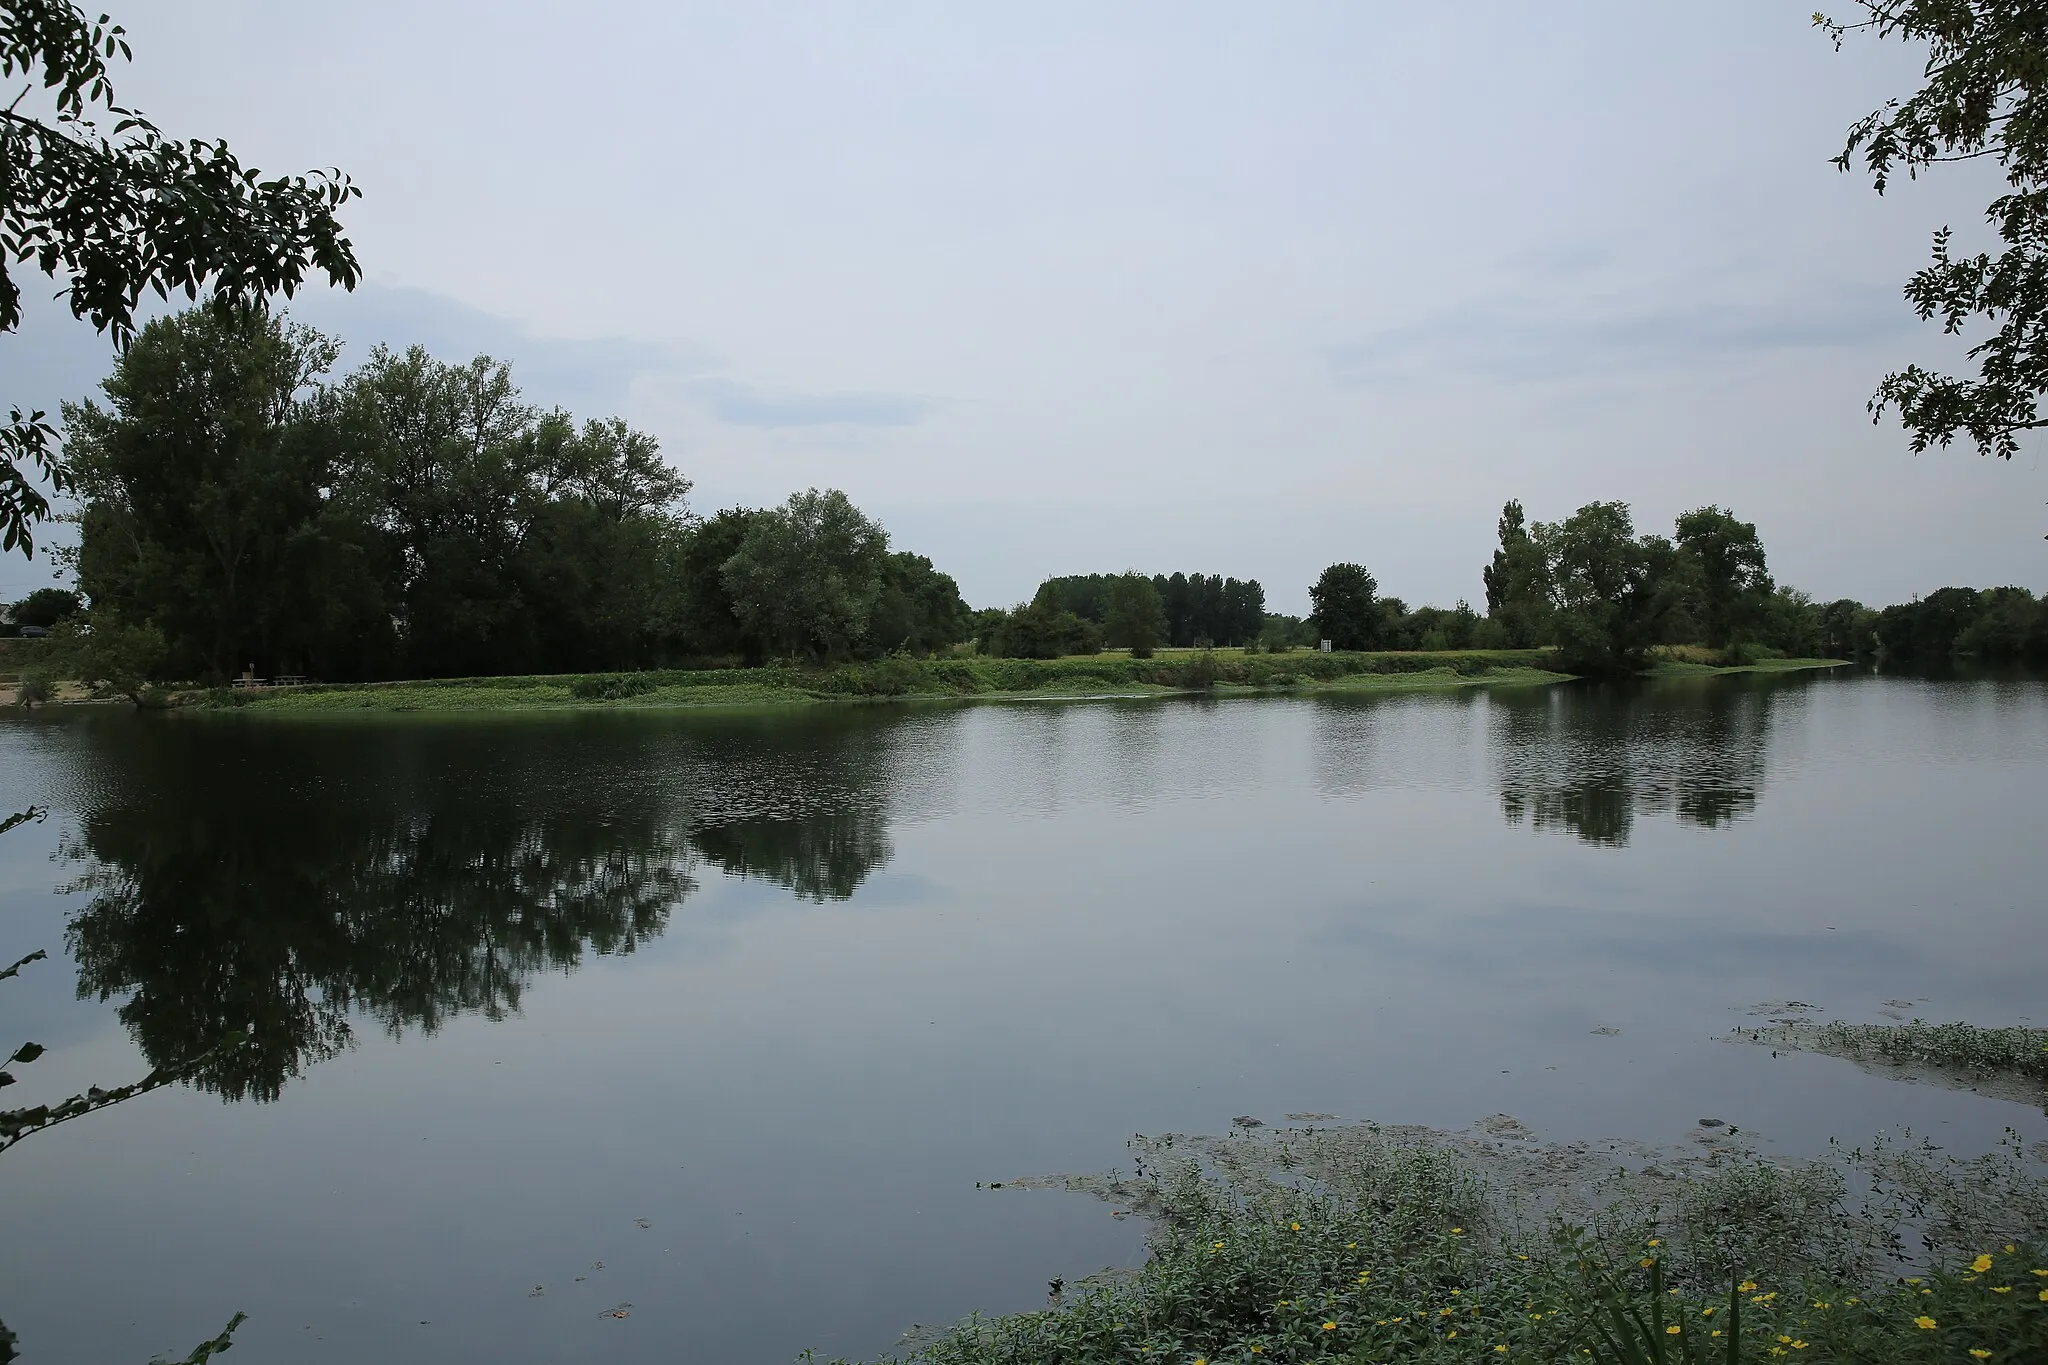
pixel 1222 672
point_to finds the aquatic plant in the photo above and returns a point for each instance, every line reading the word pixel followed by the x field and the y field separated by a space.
pixel 1377 1245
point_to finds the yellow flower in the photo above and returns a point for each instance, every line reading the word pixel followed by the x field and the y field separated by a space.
pixel 1329 1327
pixel 1524 1258
pixel 1912 1279
pixel 1783 1337
pixel 1258 1350
pixel 1457 1291
pixel 2001 1289
pixel 1798 1345
pixel 1717 1331
pixel 1295 1226
pixel 2039 1272
pixel 1215 1246
pixel 1746 1286
pixel 1980 1353
pixel 1448 1335
pixel 1925 1323
pixel 2044 1296
pixel 1981 1264
pixel 1656 1241
pixel 2010 1248
pixel 1351 1246
pixel 1673 1330
pixel 1445 1312
pixel 1502 1349
pixel 1706 1312
pixel 1647 1262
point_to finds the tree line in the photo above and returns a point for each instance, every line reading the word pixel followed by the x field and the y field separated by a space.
pixel 241 507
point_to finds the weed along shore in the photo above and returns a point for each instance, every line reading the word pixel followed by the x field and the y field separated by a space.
pixel 1371 1242
pixel 1218 672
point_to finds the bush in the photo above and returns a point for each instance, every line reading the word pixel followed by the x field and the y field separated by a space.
pixel 612 687
pixel 35 688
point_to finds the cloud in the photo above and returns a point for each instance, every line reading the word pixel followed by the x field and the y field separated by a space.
pixel 592 377
pixel 742 405
pixel 1524 341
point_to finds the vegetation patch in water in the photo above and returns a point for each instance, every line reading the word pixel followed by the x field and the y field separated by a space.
pixel 1376 1244
pixel 2009 1062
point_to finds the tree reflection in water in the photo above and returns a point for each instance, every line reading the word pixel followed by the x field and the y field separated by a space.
pixel 1588 760
pixel 427 876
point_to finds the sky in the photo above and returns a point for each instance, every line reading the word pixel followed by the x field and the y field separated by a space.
pixel 1066 288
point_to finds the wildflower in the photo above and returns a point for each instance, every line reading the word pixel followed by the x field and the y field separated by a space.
pixel 1457 1291
pixel 1351 1246
pixel 1445 1312
pixel 1329 1327
pixel 1706 1312
pixel 1716 1332
pixel 2001 1289
pixel 1980 1353
pixel 2010 1248
pixel 1981 1264
pixel 1215 1246
pixel 1459 1231
pixel 2041 1272
pixel 1912 1279
pixel 2044 1296
pixel 1295 1226
pixel 1817 1303
pixel 1746 1286
pixel 1520 1257
pixel 1647 1262
pixel 1448 1335
pixel 1925 1323
pixel 1783 1337
pixel 1798 1345
pixel 1673 1330
pixel 1501 1349
pixel 1656 1241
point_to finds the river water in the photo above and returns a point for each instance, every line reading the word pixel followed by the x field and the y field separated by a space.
pixel 512 1022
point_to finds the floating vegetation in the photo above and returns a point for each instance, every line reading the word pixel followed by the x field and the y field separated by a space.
pixel 2009 1063
pixel 1373 1243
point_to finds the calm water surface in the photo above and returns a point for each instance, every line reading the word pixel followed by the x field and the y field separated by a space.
pixel 743 1006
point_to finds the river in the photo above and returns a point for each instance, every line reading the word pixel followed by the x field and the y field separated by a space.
pixel 695 1036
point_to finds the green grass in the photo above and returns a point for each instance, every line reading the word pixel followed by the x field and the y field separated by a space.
pixel 1378 1247
pixel 1686 668
pixel 1113 673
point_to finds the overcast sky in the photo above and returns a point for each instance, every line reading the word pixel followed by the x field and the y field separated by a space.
pixel 1053 288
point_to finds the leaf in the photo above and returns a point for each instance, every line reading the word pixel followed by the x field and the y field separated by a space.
pixel 28 1052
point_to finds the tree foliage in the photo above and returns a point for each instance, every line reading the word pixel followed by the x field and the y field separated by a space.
pixel 119 212
pixel 808 576
pixel 1725 573
pixel 1984 96
pixel 1518 583
pixel 1346 609
pixel 1134 618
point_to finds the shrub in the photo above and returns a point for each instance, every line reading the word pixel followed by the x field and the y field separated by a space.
pixel 611 687
pixel 35 688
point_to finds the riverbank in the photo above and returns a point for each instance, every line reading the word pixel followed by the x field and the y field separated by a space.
pixel 1110 674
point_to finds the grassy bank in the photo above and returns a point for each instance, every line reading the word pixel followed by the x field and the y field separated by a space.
pixel 1109 674
pixel 1380 1245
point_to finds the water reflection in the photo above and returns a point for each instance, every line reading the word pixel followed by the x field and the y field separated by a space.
pixel 254 915
pixel 1589 760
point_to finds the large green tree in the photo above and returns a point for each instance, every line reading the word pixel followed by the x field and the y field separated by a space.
pixel 1134 617
pixel 1604 584
pixel 1345 608
pixel 1518 583
pixel 1724 573
pixel 808 576
pixel 1983 97
pixel 206 484
pixel 118 212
